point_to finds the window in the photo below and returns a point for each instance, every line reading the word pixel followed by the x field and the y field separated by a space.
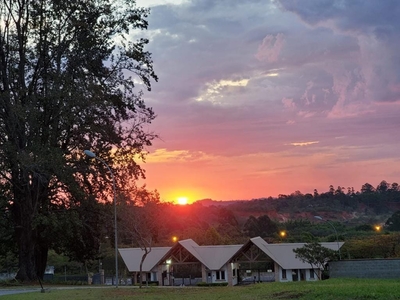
pixel 312 273
pixel 283 273
pixel 234 272
pixel 220 275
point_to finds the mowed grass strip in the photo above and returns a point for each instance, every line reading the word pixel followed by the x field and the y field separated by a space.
pixel 334 289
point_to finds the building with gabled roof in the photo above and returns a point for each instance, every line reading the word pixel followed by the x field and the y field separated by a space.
pixel 282 260
pixel 133 256
pixel 254 261
pixel 210 263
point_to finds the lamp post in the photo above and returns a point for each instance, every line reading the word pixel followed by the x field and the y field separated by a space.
pixel 92 155
pixel 337 239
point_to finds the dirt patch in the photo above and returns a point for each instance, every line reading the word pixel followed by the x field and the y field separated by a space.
pixel 288 295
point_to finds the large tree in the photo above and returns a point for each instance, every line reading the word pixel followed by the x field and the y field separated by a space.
pixel 316 255
pixel 68 71
pixel 262 226
pixel 140 215
pixel 393 223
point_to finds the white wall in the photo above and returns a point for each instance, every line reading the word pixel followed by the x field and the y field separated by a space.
pixel 235 279
pixel 223 276
pixel 291 274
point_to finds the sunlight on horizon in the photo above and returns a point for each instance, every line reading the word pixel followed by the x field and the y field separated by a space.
pixel 182 200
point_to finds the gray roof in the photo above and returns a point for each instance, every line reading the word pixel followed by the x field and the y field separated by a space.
pixel 283 253
pixel 133 256
pixel 215 257
pixel 191 246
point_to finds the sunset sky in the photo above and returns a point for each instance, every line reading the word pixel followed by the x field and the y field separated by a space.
pixel 258 98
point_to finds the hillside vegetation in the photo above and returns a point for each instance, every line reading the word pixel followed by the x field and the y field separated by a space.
pixel 368 221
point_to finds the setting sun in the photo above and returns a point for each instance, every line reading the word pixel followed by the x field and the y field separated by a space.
pixel 182 200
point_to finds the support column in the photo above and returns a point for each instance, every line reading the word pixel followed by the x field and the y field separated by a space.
pixel 159 275
pixel 276 272
pixel 203 273
pixel 230 275
pixel 102 276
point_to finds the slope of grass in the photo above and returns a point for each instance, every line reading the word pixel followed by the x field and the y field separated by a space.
pixel 334 289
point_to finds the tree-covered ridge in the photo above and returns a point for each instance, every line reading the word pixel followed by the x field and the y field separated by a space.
pixel 340 203
pixel 352 214
pixel 145 218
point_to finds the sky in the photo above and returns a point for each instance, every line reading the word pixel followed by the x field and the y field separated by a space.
pixel 259 98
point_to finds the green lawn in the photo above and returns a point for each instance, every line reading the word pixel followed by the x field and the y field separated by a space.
pixel 345 289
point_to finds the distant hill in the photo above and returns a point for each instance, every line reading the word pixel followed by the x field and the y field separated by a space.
pixel 370 205
pixel 210 202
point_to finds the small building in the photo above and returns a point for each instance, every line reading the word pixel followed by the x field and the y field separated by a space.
pixel 280 259
pixel 132 258
pixel 209 264
pixel 187 263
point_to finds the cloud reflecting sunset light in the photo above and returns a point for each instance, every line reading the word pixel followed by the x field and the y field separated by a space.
pixel 261 98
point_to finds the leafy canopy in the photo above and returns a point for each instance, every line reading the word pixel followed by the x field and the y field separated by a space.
pixel 71 78
pixel 315 254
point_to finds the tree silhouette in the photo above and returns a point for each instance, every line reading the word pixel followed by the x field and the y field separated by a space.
pixel 316 255
pixel 66 85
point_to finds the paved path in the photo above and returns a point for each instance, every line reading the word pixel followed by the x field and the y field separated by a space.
pixel 5 292
pixel 47 289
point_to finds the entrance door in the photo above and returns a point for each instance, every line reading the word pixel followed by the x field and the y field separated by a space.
pixel 302 275
pixel 295 275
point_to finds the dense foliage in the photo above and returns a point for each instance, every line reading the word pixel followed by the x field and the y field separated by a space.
pixel 369 200
pixel 68 71
pixel 146 222
pixel 316 255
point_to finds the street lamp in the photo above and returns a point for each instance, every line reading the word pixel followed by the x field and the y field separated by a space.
pixel 92 155
pixel 337 239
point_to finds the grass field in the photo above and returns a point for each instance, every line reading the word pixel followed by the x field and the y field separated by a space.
pixel 328 289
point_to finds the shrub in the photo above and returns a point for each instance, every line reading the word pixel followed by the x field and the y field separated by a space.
pixel 212 284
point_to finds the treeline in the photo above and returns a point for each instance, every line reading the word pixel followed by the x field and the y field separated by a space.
pixel 382 199
pixel 146 221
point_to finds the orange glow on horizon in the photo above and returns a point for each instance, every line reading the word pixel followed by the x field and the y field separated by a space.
pixel 204 175
pixel 181 196
pixel 182 200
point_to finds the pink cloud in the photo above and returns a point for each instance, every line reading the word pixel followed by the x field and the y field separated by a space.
pixel 288 103
pixel 306 97
pixel 270 48
pixel 306 114
pixel 305 83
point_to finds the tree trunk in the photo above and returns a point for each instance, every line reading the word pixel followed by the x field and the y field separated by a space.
pixel 141 266
pixel 32 250
pixel 32 255
pixel 41 253
pixel 26 253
